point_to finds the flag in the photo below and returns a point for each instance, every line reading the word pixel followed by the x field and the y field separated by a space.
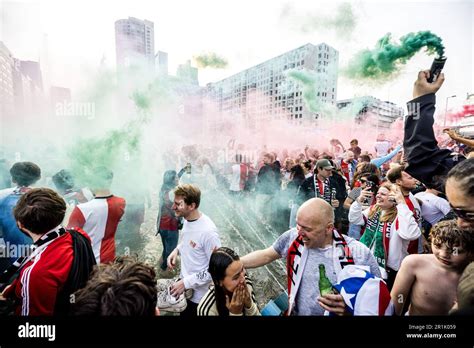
pixel 363 293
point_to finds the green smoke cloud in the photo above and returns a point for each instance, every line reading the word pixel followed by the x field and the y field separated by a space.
pixel 211 60
pixel 387 57
pixel 121 149
pixel 343 22
pixel 115 147
pixel 308 80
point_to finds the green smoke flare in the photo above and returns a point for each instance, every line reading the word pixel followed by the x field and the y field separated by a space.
pixel 387 57
pixel 210 60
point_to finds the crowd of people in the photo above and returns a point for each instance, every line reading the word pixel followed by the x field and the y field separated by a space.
pixel 399 216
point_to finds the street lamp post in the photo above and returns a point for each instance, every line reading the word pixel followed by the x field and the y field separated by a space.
pixel 446 111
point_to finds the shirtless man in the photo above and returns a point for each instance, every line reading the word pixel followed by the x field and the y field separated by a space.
pixel 431 279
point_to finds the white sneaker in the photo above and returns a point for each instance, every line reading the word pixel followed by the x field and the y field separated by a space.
pixel 165 283
pixel 169 303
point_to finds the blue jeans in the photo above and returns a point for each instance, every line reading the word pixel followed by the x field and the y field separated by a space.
pixel 170 241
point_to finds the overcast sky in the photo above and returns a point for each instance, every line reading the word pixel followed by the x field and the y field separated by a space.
pixel 76 34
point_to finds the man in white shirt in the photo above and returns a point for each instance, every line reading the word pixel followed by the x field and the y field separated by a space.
pixel 199 238
pixel 434 208
pixel 382 146
pixel 238 176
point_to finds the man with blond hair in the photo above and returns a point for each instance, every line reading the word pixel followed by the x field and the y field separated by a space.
pixel 199 238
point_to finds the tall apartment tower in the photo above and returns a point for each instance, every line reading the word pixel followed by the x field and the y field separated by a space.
pixel 134 42
pixel 188 73
pixel 276 95
pixel 7 96
pixel 161 63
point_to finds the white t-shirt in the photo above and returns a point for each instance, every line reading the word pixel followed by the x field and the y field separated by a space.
pixel 199 239
pixel 382 147
pixel 434 208
pixel 235 179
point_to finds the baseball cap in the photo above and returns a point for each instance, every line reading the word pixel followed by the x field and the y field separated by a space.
pixel 324 163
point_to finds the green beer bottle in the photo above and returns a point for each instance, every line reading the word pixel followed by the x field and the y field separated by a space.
pixel 325 286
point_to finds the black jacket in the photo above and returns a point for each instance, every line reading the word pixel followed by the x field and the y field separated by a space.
pixel 426 161
pixel 306 190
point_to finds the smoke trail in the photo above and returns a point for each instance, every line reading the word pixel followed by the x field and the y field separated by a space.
pixel 211 60
pixel 308 80
pixel 387 57
pixel 343 22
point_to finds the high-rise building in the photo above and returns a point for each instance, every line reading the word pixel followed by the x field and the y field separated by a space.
pixel 33 71
pixel 27 87
pixel 134 42
pixel 265 92
pixel 188 73
pixel 7 99
pixel 383 113
pixel 21 89
pixel 161 63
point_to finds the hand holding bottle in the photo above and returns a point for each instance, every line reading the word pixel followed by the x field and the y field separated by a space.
pixel 334 201
pixel 333 303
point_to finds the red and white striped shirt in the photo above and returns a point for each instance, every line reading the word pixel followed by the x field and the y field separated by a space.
pixel 100 218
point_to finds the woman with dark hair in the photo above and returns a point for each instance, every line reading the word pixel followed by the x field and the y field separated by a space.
pixel 167 223
pixel 460 193
pixel 232 292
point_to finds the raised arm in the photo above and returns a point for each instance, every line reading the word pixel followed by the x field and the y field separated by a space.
pixel 260 258
pixel 426 161
pixel 381 160
pixel 457 137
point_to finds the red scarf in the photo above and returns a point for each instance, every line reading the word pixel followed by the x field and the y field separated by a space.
pixel 413 245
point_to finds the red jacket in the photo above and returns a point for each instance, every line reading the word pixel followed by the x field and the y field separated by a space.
pixel 42 278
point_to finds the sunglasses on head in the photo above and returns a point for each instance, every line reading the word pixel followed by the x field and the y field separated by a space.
pixel 463 214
